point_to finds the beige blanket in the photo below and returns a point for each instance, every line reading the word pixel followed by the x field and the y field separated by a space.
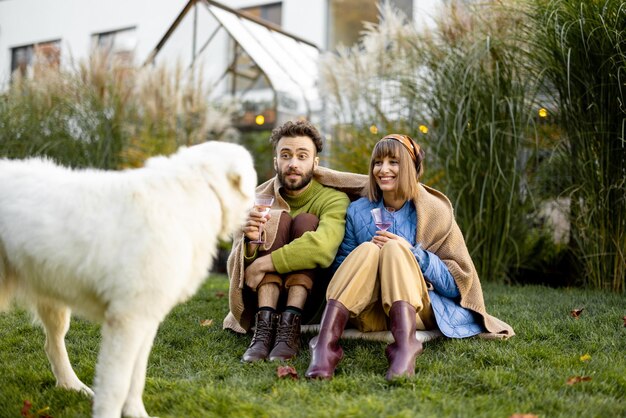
pixel 437 231
pixel 240 317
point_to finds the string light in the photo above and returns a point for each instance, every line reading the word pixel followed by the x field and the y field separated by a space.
pixel 259 120
pixel 374 129
pixel 424 129
pixel 543 113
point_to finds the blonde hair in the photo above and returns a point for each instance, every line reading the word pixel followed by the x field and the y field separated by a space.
pixel 409 171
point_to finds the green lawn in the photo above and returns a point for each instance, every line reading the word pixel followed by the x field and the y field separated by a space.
pixel 195 370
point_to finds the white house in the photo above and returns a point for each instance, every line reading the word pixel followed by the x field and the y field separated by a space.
pixel 274 44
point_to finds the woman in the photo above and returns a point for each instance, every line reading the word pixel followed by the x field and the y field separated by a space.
pixel 416 275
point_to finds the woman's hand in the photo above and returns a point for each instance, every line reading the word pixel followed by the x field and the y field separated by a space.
pixel 383 237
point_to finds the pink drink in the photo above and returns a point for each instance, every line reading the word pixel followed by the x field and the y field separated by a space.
pixel 383 219
pixel 383 225
pixel 263 203
pixel 263 209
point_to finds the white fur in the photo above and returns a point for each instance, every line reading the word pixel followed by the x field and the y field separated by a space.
pixel 121 248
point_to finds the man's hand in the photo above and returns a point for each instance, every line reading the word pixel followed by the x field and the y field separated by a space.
pixel 383 237
pixel 251 227
pixel 255 272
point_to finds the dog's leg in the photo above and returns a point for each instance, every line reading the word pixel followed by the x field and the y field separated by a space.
pixel 122 339
pixel 134 403
pixel 56 322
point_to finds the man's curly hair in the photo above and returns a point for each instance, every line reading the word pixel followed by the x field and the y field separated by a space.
pixel 298 128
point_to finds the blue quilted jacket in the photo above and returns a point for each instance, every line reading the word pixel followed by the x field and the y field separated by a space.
pixel 453 320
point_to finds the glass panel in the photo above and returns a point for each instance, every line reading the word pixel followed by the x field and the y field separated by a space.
pixel 119 44
pixel 48 54
pixel 178 50
pixel 346 19
pixel 271 13
pixel 37 57
pixel 247 74
pixel 21 58
pixel 284 59
pixel 254 46
pixel 304 60
pixel 281 70
pixel 406 6
pixel 213 45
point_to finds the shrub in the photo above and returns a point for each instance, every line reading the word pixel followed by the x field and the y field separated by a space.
pixel 107 115
pixel 581 47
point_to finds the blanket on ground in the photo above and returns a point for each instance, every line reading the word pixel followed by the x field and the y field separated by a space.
pixel 437 231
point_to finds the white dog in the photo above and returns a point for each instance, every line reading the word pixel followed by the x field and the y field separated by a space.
pixel 121 248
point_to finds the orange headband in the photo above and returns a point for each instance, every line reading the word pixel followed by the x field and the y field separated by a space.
pixel 408 143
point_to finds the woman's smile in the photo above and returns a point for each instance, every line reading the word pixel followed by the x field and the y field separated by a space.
pixel 385 171
pixel 385 181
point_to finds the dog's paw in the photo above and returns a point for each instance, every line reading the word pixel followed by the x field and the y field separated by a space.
pixel 135 410
pixel 78 386
pixel 87 391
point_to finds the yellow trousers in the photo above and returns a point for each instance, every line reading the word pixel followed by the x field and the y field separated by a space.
pixel 371 279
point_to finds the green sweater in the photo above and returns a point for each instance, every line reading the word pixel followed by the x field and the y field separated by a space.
pixel 240 317
pixel 314 248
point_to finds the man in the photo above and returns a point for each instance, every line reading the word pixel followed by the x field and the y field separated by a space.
pixel 282 282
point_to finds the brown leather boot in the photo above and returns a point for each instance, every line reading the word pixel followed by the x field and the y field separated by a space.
pixel 326 352
pixel 403 352
pixel 287 341
pixel 263 338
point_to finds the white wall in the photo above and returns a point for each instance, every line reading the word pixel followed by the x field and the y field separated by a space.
pixel 425 10
pixel 306 19
pixel 24 22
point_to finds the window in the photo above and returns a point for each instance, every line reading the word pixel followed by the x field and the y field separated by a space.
pixel 271 13
pixel 346 21
pixel 30 59
pixel 346 17
pixel 118 45
pixel 406 6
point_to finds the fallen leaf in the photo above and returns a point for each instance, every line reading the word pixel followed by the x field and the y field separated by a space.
pixel 26 408
pixel 286 371
pixel 585 357
pixel 206 323
pixel 220 294
pixel 575 313
pixel 41 413
pixel 524 416
pixel 577 379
